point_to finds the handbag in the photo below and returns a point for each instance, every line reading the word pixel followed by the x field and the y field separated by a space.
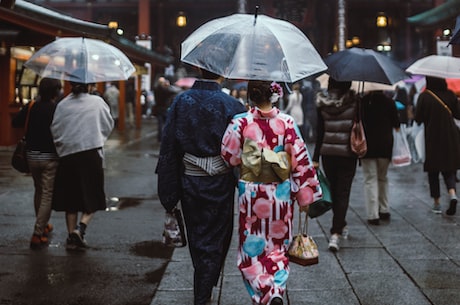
pixel 321 206
pixel 19 158
pixel 358 141
pixel 303 249
pixel 174 229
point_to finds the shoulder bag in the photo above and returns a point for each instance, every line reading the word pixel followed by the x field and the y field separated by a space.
pixel 19 159
pixel 357 136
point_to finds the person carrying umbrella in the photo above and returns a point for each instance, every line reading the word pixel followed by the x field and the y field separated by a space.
pixel 82 123
pixel 190 170
pixel 436 107
pixel 336 113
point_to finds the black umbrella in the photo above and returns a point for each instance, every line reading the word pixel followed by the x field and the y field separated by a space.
pixel 364 65
pixel 456 34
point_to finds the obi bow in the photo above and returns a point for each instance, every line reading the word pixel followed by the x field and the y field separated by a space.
pixel 263 164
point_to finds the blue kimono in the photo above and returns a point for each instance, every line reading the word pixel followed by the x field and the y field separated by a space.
pixel 196 122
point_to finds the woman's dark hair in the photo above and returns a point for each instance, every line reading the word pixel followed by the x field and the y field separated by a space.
pixel 78 88
pixel 209 75
pixel 436 83
pixel 259 91
pixel 339 86
pixel 49 89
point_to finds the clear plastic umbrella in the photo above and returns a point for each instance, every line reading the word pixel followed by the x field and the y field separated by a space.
pixel 252 47
pixel 436 66
pixel 82 60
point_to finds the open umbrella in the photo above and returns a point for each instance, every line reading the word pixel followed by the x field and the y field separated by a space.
pixel 436 66
pixel 455 39
pixel 252 47
pixel 357 85
pixel 365 65
pixel 82 60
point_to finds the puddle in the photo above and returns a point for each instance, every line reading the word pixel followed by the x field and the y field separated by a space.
pixel 152 249
pixel 115 203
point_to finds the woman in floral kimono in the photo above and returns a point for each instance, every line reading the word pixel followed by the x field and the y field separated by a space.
pixel 275 170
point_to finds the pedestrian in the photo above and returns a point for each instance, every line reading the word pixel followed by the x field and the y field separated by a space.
pixel 81 124
pixel 294 107
pixel 191 170
pixel 336 113
pixel 41 155
pixel 266 147
pixel 379 117
pixel 112 96
pixel 164 93
pixel 436 108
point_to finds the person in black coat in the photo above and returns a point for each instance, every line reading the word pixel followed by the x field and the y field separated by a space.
pixel 379 117
pixel 41 154
pixel 436 107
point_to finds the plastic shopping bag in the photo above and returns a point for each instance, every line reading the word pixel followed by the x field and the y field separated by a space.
pixel 401 153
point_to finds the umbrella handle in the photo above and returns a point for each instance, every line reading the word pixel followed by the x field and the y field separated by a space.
pixel 255 15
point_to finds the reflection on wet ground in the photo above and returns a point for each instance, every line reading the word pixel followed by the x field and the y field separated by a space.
pixel 152 249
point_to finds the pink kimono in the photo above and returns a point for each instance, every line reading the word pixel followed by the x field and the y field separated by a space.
pixel 266 194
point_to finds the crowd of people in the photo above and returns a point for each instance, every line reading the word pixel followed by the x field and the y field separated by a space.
pixel 216 144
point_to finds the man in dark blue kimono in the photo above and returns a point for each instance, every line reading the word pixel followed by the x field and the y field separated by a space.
pixel 191 170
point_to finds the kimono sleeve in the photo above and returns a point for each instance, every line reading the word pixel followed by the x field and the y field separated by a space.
pixel 169 168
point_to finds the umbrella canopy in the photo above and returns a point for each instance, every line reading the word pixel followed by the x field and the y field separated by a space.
pixel 366 65
pixel 357 85
pixel 81 60
pixel 436 66
pixel 252 47
pixel 455 39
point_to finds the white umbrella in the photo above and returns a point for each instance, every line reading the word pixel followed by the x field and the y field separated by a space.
pixel 82 60
pixel 252 47
pixel 436 66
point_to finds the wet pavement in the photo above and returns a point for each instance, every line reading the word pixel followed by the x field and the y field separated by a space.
pixel 412 259
pixel 126 258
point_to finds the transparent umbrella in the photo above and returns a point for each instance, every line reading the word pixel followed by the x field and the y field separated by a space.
pixel 252 47
pixel 82 60
pixel 436 66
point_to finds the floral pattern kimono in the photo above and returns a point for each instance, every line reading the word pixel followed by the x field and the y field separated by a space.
pixel 266 208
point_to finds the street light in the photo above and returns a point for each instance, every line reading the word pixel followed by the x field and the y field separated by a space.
pixel 181 20
pixel 382 20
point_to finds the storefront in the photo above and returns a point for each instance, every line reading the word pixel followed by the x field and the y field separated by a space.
pixel 25 27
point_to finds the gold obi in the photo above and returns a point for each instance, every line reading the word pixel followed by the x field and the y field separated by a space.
pixel 264 165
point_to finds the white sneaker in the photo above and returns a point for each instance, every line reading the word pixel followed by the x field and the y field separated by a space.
pixel 345 233
pixel 334 242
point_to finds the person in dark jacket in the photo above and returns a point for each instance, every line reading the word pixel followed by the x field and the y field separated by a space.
pixel 436 107
pixel 379 117
pixel 191 170
pixel 336 112
pixel 41 155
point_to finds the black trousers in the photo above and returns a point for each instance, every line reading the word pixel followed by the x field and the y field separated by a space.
pixel 208 205
pixel 433 180
pixel 340 172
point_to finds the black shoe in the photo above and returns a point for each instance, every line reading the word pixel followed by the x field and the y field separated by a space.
pixel 384 216
pixel 452 207
pixel 374 222
pixel 276 301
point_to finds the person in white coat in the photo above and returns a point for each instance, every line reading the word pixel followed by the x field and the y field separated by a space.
pixel 82 123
